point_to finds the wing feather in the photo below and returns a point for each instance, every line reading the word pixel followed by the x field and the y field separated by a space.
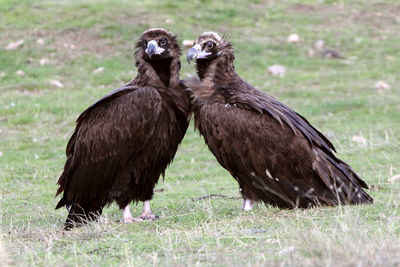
pixel 280 166
pixel 254 99
pixel 107 135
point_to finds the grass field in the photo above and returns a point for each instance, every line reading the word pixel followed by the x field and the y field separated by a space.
pixel 70 42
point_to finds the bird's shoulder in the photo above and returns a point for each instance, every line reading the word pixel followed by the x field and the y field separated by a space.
pixel 126 113
pixel 249 101
pixel 136 95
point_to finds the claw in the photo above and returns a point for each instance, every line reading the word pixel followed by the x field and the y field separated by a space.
pixel 131 220
pixel 148 216
pixel 127 216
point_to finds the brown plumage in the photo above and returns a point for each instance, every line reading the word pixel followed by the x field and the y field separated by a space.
pixel 125 141
pixel 274 153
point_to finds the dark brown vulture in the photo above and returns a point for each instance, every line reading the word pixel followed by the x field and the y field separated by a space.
pixel 274 153
pixel 125 141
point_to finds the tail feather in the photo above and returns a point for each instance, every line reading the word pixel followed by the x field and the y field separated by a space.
pixel 78 216
pixel 328 182
pixel 61 203
pixel 62 181
pixel 346 185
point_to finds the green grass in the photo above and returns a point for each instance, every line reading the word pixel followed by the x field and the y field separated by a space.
pixel 338 97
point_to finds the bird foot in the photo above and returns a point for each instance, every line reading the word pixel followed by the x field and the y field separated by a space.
pixel 247 208
pixel 131 219
pixel 148 216
pixel 247 204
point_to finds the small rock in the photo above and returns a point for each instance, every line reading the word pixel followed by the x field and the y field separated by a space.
pixel 331 53
pixel 277 70
pixel 40 41
pixel 381 85
pixel 286 250
pixel 69 46
pixel 293 38
pixel 359 139
pixel 319 45
pixel 390 58
pixel 188 43
pixel 348 62
pixel 2 74
pixel 43 61
pixel 14 45
pixel 98 70
pixel 56 83
pixel 20 72
pixel 394 178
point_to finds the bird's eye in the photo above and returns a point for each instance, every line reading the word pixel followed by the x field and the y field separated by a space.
pixel 163 41
pixel 209 45
pixel 144 43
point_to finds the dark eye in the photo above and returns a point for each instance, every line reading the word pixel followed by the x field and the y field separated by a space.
pixel 144 43
pixel 163 41
pixel 209 45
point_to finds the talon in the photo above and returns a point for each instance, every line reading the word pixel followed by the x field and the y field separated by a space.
pixel 149 217
pixel 131 220
pixel 127 216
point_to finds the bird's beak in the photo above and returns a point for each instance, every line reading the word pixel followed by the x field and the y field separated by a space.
pixel 153 49
pixel 196 52
pixel 192 53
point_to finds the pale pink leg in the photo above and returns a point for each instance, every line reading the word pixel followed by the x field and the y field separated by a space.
pixel 147 214
pixel 128 218
pixel 247 204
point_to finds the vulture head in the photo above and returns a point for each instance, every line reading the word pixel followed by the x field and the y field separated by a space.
pixel 157 55
pixel 156 44
pixel 209 46
pixel 210 49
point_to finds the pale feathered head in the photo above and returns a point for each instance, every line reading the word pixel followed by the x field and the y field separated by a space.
pixel 208 46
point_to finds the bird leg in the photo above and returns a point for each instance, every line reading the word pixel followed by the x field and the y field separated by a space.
pixel 247 204
pixel 147 214
pixel 128 218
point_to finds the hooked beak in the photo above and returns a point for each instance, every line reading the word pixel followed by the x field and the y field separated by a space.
pixel 196 52
pixel 153 49
pixel 191 54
